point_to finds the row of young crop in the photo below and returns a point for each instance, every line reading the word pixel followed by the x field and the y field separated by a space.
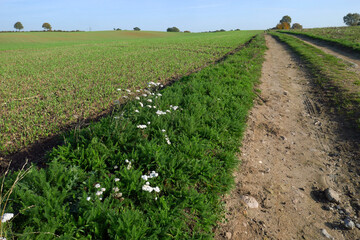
pixel 155 169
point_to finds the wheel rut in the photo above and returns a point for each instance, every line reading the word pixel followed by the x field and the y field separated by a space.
pixel 294 148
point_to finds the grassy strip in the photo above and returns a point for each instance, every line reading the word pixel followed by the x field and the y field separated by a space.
pixel 191 148
pixel 342 43
pixel 332 74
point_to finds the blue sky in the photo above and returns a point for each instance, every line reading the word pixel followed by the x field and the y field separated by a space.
pixel 158 15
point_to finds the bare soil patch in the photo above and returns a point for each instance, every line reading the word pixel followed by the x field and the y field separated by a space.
pixel 293 150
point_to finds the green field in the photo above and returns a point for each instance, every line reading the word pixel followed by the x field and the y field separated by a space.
pixel 346 36
pixel 155 168
pixel 51 80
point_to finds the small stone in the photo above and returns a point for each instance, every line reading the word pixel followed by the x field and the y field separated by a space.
pixel 332 196
pixel 228 235
pixel 283 138
pixel 357 225
pixel 349 224
pixel 326 234
pixel 327 208
pixel 250 201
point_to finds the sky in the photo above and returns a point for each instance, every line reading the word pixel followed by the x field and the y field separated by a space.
pixel 158 15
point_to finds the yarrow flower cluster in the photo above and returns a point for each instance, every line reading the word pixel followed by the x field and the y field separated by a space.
pixel 141 126
pixel 148 188
pixel 153 174
pixel 100 190
pixel 6 217
pixel 129 166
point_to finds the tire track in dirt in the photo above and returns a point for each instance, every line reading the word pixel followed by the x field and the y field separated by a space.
pixel 292 151
pixel 351 57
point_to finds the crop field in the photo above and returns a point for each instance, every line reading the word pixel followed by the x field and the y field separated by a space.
pixel 157 166
pixel 49 81
pixel 347 36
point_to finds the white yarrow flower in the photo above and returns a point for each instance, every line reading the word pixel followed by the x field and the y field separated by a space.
pixel 116 189
pixel 117 179
pixel 159 112
pixel 97 185
pixel 156 189
pixel 137 111
pixel 98 193
pixel 6 217
pixel 149 100
pixel 103 189
pixel 137 98
pixel 141 126
pixel 116 167
pixel 141 104
pixel 88 198
pixel 147 188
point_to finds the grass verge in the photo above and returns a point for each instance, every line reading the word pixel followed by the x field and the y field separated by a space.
pixel 155 169
pixel 340 84
pixel 342 43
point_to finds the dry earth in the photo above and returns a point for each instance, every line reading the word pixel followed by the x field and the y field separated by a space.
pixel 294 149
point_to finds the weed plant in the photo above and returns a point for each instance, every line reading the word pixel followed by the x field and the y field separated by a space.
pixel 155 169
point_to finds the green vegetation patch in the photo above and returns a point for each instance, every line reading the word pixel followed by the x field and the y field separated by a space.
pixel 348 37
pixel 155 169
pixel 335 76
pixel 66 78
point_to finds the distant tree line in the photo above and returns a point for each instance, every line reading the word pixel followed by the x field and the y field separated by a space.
pixel 46 26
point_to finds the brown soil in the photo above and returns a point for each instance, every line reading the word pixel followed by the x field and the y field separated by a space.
pixel 294 149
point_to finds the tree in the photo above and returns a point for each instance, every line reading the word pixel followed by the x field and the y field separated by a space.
pixel 18 26
pixel 136 29
pixel 47 26
pixel 352 19
pixel 297 26
pixel 283 25
pixel 286 19
pixel 173 29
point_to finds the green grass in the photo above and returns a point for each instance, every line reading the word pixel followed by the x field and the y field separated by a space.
pixel 195 169
pixel 348 37
pixel 339 82
pixel 51 80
